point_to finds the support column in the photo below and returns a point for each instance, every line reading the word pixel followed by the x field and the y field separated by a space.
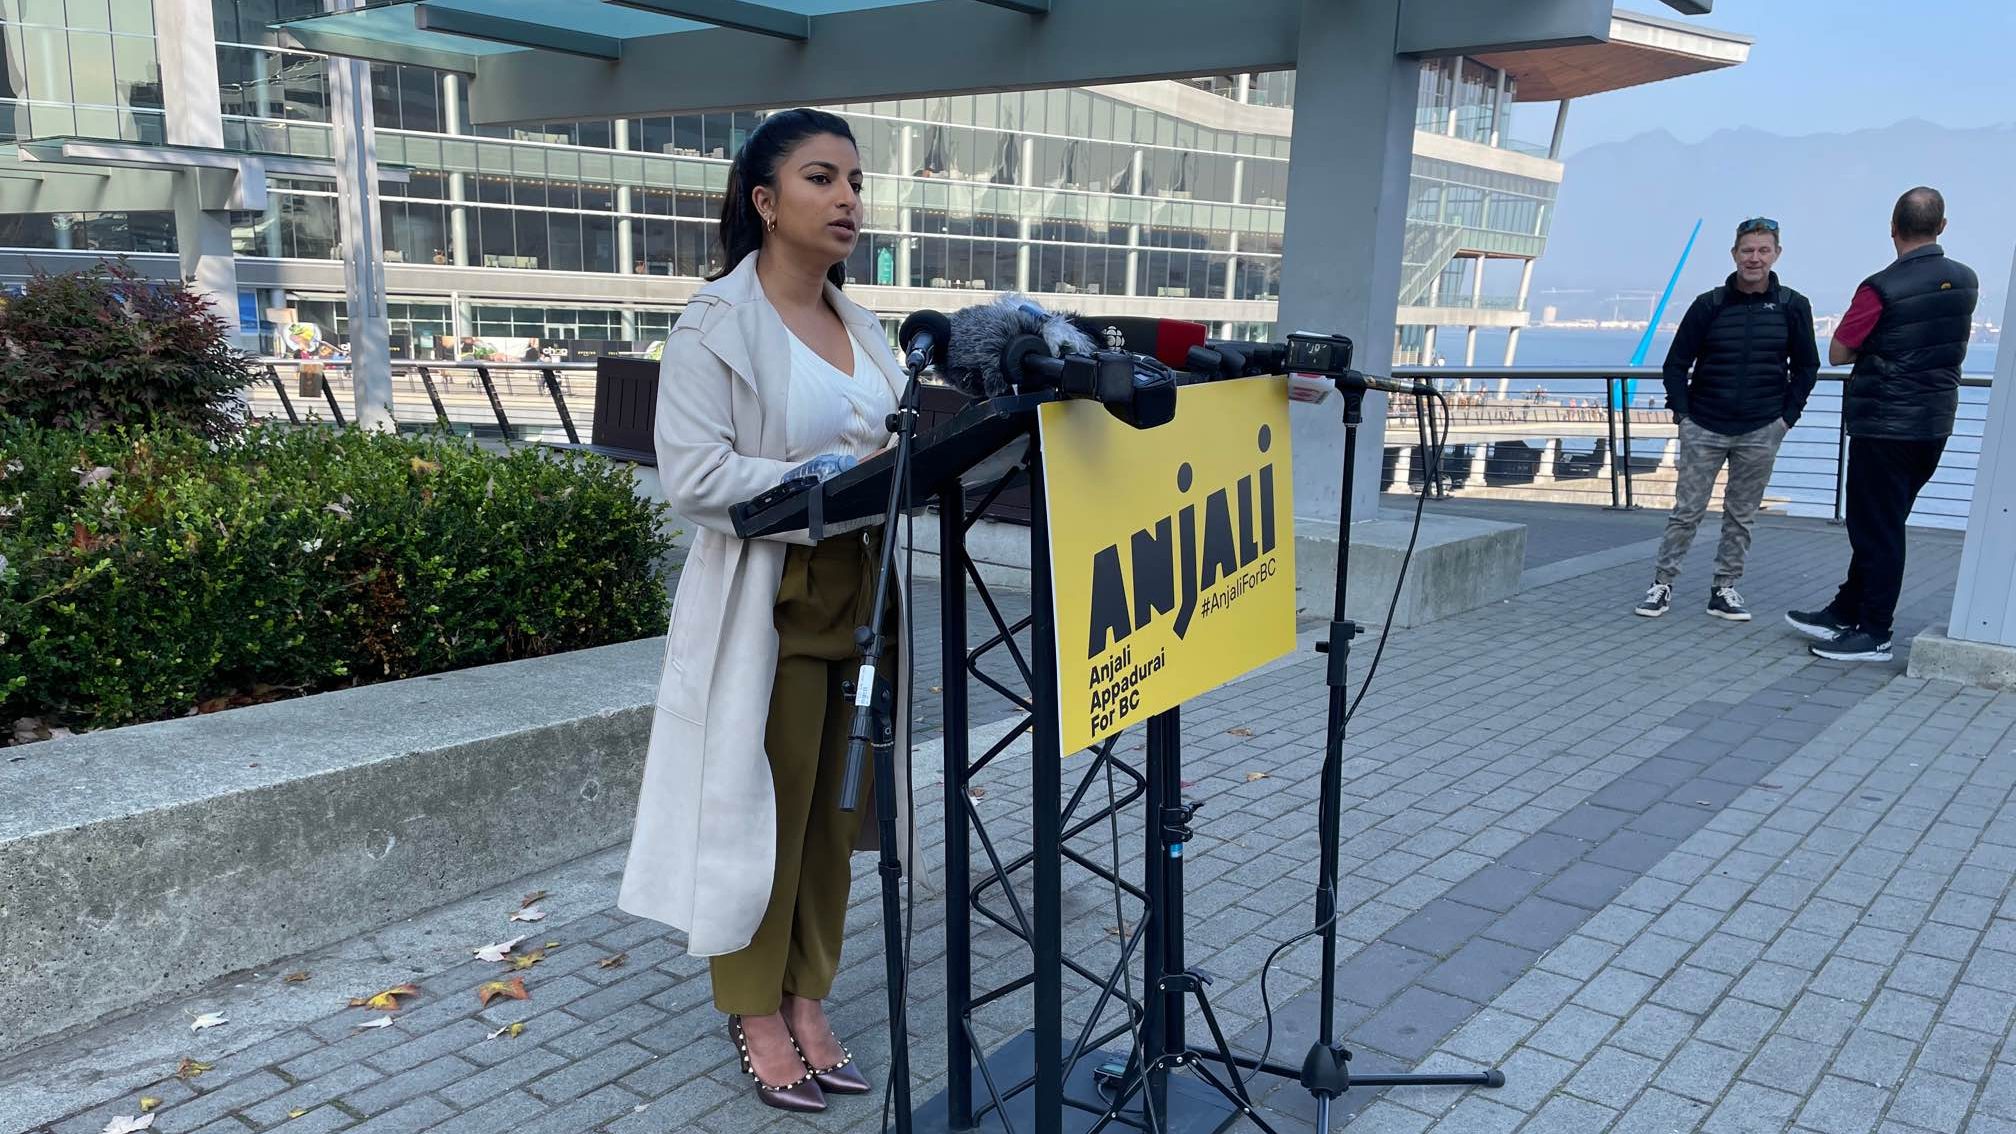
pixel 1512 340
pixel 1134 230
pixel 1026 223
pixel 1560 127
pixel 1477 283
pixel 1984 601
pixel 1498 111
pixel 1346 222
pixel 458 184
pixel 626 234
pixel 350 116
pixel 186 39
pixel 1543 472
pixel 906 221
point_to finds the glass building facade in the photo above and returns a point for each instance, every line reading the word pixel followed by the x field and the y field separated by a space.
pixel 1081 194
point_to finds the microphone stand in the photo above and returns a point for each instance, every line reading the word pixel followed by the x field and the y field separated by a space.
pixel 874 727
pixel 1326 1072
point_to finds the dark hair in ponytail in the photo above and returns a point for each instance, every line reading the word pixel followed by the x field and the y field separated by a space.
pixel 756 164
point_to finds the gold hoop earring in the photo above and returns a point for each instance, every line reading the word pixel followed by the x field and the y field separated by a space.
pixel 769 224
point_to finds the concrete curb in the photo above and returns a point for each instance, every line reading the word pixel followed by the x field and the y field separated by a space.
pixel 141 862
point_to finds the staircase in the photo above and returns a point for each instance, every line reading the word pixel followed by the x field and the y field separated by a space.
pixel 1428 249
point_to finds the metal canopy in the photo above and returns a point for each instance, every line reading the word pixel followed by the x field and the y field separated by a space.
pixel 555 60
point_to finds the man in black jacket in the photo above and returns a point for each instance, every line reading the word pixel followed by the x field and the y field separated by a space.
pixel 1737 378
pixel 1906 332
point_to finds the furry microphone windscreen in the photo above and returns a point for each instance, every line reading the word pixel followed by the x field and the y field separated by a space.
pixel 981 333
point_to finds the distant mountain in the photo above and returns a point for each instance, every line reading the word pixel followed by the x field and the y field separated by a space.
pixel 1626 207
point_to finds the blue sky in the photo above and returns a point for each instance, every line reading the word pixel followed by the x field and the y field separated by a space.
pixel 1820 66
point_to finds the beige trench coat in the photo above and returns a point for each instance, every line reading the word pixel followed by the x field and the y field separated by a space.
pixel 703 854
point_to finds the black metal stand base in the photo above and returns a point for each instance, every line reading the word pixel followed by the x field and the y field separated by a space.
pixel 1193 1107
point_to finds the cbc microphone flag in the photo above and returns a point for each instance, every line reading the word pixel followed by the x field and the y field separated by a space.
pixel 1172 550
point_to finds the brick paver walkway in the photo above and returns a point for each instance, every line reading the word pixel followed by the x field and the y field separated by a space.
pixel 1669 875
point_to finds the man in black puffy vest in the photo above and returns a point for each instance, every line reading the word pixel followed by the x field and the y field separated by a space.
pixel 1737 378
pixel 1906 333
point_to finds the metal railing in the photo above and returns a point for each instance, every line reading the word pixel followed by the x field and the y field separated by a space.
pixel 1602 435
pixel 1581 435
pixel 511 401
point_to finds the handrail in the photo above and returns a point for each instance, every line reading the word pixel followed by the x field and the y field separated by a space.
pixel 1536 407
pixel 1599 373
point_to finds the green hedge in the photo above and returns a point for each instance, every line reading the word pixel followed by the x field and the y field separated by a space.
pixel 146 573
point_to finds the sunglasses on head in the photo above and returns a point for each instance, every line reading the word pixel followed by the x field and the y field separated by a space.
pixel 1757 224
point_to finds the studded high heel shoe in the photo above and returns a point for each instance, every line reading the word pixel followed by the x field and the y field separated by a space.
pixel 843 1078
pixel 803 1096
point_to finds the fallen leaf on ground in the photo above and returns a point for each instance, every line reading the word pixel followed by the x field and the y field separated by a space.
pixel 512 1030
pixel 523 961
pixel 128 1125
pixel 528 913
pixel 190 1068
pixel 977 792
pixel 513 988
pixel 99 475
pixel 208 1020
pixel 496 952
pixel 533 898
pixel 380 1022
pixel 1238 732
pixel 552 945
pixel 1253 776
pixel 148 1104
pixel 388 1000
pixel 295 978
pixel 1120 931
pixel 615 962
pixel 937 689
pixel 297 1112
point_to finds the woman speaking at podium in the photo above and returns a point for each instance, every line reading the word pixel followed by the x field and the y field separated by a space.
pixel 771 372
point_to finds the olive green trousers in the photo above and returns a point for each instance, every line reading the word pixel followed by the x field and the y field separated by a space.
pixel 826 592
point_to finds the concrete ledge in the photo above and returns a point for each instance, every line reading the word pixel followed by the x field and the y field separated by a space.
pixel 1459 564
pixel 1936 657
pixel 141 862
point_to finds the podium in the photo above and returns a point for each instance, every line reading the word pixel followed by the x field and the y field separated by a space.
pixel 1175 541
pixel 1045 1080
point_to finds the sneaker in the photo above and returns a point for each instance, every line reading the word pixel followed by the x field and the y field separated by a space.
pixel 1821 625
pixel 1727 605
pixel 1658 600
pixel 1854 646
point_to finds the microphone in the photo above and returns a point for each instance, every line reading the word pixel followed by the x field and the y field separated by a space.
pixel 925 335
pixel 1167 341
pixel 980 334
pixel 1358 380
pixel 1249 360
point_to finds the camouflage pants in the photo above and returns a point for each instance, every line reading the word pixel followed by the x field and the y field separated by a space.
pixel 1703 452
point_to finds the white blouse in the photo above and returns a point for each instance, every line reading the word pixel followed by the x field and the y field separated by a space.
pixel 833 412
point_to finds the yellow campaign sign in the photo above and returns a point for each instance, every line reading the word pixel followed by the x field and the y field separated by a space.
pixel 1172 550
